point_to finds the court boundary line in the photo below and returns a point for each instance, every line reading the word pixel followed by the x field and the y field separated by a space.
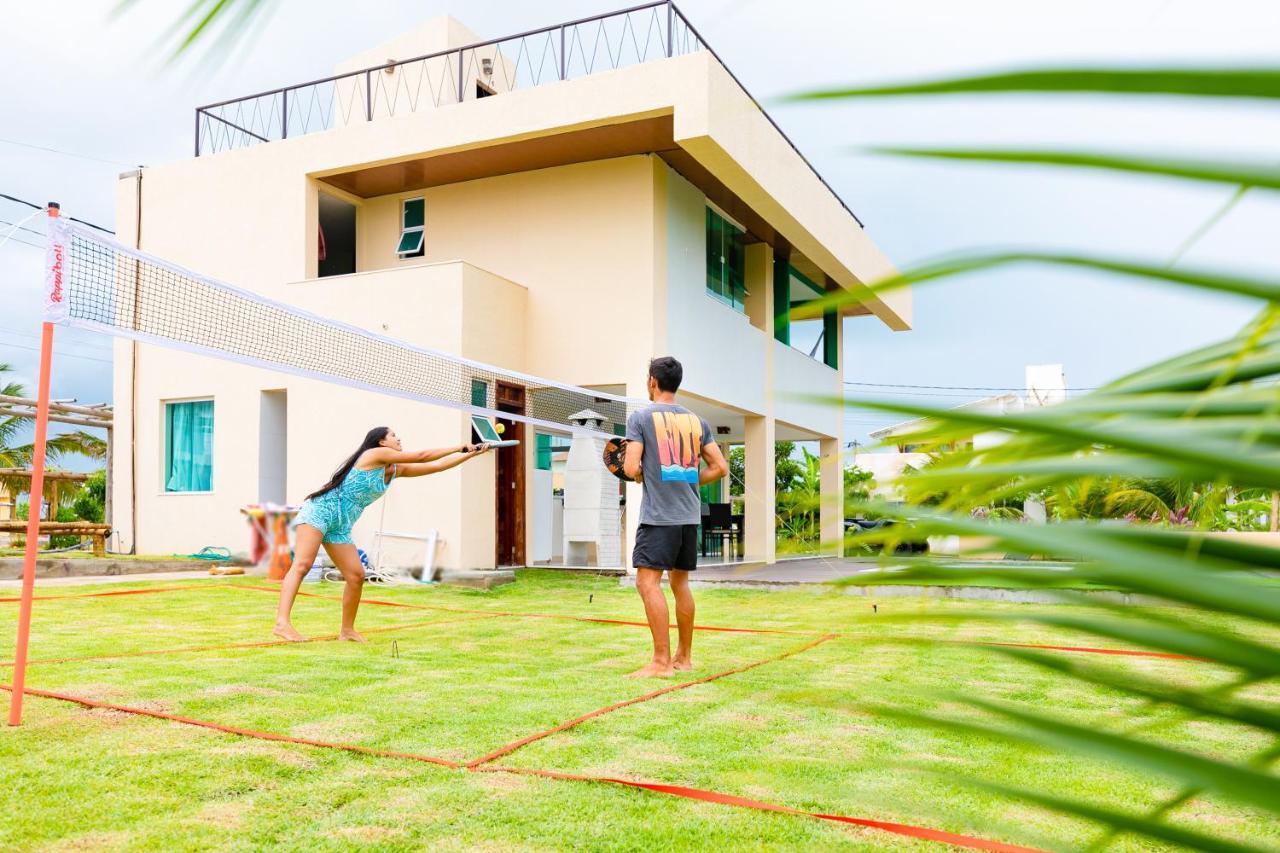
pixel 319 638
pixel 507 749
pixel 920 832
pixel 1141 653
pixel 708 796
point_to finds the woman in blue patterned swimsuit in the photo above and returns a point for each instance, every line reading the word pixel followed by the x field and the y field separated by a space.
pixel 327 516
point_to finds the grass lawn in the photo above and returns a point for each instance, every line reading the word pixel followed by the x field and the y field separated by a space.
pixel 796 732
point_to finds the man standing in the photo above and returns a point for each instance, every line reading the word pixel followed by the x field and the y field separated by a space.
pixel 665 442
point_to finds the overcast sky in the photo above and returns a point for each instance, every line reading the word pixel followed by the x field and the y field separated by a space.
pixel 79 81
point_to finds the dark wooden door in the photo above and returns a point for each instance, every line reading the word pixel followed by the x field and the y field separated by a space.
pixel 509 487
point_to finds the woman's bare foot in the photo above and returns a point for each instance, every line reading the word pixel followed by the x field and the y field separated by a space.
pixel 351 636
pixel 288 632
pixel 682 664
pixel 653 670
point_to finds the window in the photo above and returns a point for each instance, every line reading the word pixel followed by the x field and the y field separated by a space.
pixel 188 446
pixel 726 261
pixel 547 446
pixel 412 220
pixel 817 338
pixel 479 399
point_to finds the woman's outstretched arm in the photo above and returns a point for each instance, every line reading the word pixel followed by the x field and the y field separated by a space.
pixel 421 469
pixel 380 456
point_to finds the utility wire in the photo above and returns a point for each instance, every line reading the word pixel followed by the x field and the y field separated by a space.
pixel 950 387
pixel 90 344
pixel 62 353
pixel 35 206
pixel 16 239
pixel 22 227
pixel 66 153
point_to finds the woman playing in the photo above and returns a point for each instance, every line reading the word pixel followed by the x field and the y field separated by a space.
pixel 327 516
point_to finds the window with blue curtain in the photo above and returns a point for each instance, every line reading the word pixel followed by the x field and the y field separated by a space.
pixel 188 446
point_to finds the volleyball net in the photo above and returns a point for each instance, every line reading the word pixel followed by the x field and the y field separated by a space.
pixel 96 283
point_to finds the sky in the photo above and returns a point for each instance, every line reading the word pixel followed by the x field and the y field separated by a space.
pixel 81 80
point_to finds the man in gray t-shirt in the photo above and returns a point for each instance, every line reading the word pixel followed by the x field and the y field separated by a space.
pixel 665 443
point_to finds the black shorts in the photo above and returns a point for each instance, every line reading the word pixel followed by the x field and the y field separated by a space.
pixel 666 546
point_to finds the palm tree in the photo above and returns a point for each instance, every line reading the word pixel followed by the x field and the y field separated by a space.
pixel 13 455
pixel 1195 435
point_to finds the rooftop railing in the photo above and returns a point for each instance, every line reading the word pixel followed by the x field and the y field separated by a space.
pixel 559 52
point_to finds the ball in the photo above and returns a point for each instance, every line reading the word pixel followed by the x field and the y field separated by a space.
pixel 500 428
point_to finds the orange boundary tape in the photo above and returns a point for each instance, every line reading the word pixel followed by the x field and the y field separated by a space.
pixel 910 830
pixel 568 724
pixel 112 593
pixel 602 621
pixel 922 832
pixel 264 644
pixel 382 602
pixel 233 730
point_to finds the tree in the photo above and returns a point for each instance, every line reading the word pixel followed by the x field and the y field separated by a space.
pixel 14 455
pixel 1197 429
pixel 858 485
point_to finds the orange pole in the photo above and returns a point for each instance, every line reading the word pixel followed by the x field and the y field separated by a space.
pixel 33 527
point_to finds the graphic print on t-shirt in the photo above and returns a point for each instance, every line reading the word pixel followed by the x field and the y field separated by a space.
pixel 679 445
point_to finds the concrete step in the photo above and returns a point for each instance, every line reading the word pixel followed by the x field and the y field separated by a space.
pixel 54 567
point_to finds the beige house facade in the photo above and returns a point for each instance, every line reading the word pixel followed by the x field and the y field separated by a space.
pixel 571 230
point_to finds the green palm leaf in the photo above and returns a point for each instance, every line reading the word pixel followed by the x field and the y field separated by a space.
pixel 1234 174
pixel 1194 82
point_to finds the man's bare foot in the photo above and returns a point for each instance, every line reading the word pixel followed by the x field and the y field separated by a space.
pixel 352 636
pixel 653 670
pixel 288 632
pixel 682 664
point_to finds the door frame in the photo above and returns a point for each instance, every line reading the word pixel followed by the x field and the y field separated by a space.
pixel 511 398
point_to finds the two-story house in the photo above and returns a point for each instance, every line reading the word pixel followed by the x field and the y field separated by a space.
pixel 566 203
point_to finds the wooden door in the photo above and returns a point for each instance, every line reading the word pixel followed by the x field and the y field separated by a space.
pixel 509 487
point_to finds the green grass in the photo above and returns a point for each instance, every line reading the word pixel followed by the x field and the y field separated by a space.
pixel 796 732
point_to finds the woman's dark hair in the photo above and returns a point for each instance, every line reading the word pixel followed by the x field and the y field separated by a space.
pixel 372 440
pixel 668 372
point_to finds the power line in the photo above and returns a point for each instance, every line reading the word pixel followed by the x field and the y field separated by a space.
pixel 65 153
pixel 874 395
pixel 23 228
pixel 91 344
pixel 62 354
pixel 17 239
pixel 951 387
pixel 35 206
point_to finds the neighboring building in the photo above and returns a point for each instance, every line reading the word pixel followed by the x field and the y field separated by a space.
pixel 569 227
pixel 1046 385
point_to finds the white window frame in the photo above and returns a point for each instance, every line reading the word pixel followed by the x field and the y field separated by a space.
pixel 164 444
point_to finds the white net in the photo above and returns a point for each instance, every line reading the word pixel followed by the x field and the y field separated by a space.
pixel 97 283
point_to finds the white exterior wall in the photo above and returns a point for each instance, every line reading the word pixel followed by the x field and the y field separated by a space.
pixel 722 353
pixel 622 235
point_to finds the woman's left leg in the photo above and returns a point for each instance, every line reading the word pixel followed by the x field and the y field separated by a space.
pixel 347 560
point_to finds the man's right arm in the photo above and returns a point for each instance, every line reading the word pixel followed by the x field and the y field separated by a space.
pixel 716 468
pixel 633 461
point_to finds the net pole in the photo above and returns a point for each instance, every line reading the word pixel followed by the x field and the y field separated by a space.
pixel 33 527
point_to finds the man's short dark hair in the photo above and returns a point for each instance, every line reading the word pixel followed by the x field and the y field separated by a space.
pixel 668 373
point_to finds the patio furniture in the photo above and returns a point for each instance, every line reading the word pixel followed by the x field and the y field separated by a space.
pixel 720 526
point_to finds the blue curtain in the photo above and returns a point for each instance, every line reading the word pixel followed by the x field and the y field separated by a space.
pixel 189 447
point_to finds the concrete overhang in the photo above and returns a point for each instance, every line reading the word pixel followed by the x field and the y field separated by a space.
pixel 687 110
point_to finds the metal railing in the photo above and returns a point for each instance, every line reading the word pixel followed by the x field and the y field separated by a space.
pixel 559 52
